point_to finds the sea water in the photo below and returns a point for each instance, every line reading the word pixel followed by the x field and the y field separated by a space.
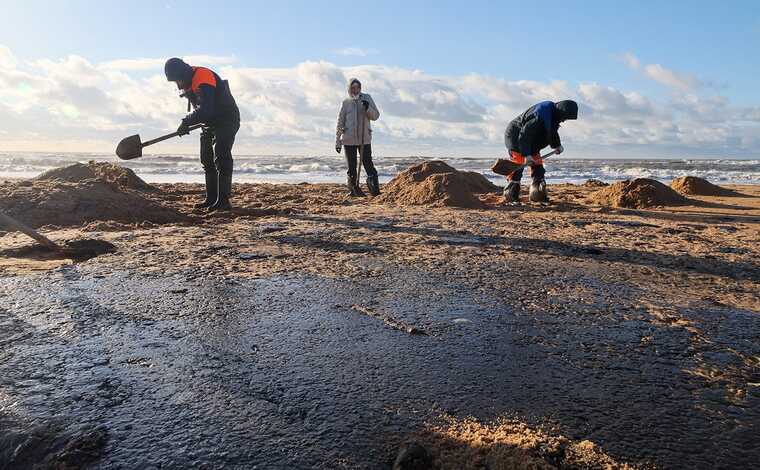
pixel 331 169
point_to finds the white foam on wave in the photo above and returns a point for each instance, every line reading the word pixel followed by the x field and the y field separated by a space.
pixel 289 168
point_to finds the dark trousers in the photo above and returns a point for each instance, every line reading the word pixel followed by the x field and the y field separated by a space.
pixel 369 167
pixel 216 147
pixel 537 172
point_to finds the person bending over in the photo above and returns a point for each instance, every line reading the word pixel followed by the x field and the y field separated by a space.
pixel 213 106
pixel 526 135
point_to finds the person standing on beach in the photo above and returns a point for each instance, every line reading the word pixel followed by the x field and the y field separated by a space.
pixel 355 134
pixel 526 135
pixel 214 107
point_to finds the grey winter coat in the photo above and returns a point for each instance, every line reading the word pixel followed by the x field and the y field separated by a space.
pixel 353 120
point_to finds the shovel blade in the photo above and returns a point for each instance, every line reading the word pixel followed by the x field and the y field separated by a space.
pixel 130 148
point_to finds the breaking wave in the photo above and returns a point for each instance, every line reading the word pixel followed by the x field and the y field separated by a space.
pixel 289 168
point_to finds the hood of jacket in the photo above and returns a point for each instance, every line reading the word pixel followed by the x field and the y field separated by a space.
pixel 567 109
pixel 176 69
pixel 351 81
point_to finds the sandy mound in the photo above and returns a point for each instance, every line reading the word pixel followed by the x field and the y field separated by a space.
pixel 637 194
pixel 38 203
pixel 107 172
pixel 693 186
pixel 437 184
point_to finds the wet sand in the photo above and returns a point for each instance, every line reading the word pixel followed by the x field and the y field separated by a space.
pixel 310 330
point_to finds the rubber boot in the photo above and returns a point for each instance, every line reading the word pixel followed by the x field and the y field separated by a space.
pixel 538 192
pixel 373 184
pixel 353 189
pixel 225 190
pixel 212 191
pixel 512 193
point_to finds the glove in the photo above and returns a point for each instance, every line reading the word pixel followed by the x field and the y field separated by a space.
pixel 365 103
pixel 338 147
pixel 183 128
pixel 559 149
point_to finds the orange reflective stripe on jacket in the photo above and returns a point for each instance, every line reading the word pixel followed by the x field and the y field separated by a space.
pixel 202 76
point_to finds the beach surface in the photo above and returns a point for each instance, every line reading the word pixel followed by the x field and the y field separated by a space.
pixel 311 330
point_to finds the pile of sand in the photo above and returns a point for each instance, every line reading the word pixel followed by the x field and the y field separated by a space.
pixel 693 186
pixel 69 196
pixel 637 194
pixel 437 184
pixel 107 172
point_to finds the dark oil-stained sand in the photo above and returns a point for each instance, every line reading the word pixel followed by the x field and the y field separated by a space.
pixel 577 335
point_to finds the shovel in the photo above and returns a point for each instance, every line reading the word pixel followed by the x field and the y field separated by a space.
pixel 506 167
pixel 131 147
pixel 18 226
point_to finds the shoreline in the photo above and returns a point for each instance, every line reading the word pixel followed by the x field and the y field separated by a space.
pixel 331 168
pixel 305 178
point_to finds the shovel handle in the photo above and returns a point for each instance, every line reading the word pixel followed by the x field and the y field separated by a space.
pixel 18 226
pixel 529 160
pixel 169 136
pixel 553 152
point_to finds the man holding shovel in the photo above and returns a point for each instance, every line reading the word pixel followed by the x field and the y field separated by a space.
pixel 214 108
pixel 355 134
pixel 525 136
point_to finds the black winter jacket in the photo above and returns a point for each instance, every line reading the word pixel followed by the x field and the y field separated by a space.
pixel 538 127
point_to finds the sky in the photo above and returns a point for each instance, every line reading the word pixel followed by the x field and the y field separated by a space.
pixel 653 78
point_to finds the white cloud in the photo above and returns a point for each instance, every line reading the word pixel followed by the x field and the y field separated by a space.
pixel 670 78
pixel 631 61
pixel 7 59
pixel 55 103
